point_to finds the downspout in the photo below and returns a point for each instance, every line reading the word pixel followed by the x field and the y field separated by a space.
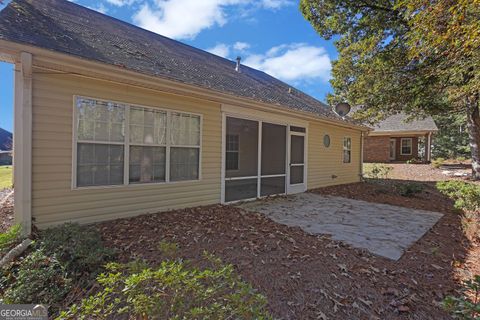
pixel 361 154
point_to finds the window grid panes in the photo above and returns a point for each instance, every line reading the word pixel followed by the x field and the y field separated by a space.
pixel 347 150
pixel 148 126
pixel 232 149
pixel 103 143
pixel 406 146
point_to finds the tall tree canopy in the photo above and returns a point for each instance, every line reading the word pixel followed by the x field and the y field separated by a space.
pixel 417 56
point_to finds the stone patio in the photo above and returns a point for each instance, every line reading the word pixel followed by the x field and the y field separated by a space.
pixel 382 229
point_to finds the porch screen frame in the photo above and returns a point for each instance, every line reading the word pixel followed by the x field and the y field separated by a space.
pixel 266 118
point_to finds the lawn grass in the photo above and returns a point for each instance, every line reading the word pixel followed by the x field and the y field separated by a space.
pixel 5 177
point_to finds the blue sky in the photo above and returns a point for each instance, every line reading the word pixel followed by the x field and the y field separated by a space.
pixel 270 35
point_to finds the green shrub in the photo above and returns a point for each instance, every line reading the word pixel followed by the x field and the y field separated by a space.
pixel 169 249
pixel 37 279
pixel 437 163
pixel 467 306
pixel 9 238
pixel 461 159
pixel 410 189
pixel 79 249
pixel 466 195
pixel 378 171
pixel 171 291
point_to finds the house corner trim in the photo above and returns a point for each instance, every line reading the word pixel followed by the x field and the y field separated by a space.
pixel 22 142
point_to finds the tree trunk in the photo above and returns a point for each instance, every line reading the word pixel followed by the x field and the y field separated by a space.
pixel 473 125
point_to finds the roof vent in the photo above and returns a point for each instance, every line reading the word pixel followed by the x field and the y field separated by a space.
pixel 237 68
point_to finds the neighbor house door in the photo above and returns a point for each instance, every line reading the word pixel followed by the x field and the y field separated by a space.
pixel 393 149
pixel 297 170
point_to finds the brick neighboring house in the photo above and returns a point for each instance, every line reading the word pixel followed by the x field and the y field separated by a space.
pixel 395 139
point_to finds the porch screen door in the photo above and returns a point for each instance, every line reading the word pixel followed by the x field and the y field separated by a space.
pixel 297 163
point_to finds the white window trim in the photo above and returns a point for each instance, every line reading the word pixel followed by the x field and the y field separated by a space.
pixel 401 146
pixel 126 145
pixel 234 151
pixel 344 149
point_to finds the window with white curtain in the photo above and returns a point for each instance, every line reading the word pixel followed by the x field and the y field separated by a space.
pixel 152 140
pixel 100 142
pixel 184 146
pixel 148 131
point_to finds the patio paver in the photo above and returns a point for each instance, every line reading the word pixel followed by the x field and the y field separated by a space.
pixel 382 229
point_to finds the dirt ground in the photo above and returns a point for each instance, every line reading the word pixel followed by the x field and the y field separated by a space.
pixel 312 277
pixel 6 209
pixel 425 172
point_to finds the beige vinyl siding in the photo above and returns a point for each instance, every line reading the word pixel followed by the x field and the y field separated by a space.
pixel 54 201
pixel 324 162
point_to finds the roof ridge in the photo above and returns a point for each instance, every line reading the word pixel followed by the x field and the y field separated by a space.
pixel 92 36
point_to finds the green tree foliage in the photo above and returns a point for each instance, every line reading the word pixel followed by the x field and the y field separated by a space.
pixel 417 56
pixel 451 141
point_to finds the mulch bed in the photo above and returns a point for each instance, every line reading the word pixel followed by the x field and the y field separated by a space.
pixel 311 277
pixel 426 172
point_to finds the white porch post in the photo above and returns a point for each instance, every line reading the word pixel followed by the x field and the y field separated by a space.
pixel 429 145
pixel 22 142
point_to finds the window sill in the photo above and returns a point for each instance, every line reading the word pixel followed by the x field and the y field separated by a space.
pixel 136 185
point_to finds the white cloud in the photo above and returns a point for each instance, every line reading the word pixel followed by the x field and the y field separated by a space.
pixel 241 46
pixel 293 62
pixel 184 19
pixel 224 50
pixel 275 4
pixel 221 50
pixel 121 3
pixel 100 8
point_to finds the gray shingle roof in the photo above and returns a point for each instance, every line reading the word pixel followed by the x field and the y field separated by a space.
pixel 65 27
pixel 399 123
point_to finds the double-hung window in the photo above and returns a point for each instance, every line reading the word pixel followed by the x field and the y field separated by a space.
pixel 347 150
pixel 232 150
pixel 100 142
pixel 148 145
pixel 127 144
pixel 406 146
pixel 184 146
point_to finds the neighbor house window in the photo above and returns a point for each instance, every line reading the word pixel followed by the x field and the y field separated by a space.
pixel 406 146
pixel 347 150
pixel 232 149
pixel 146 145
